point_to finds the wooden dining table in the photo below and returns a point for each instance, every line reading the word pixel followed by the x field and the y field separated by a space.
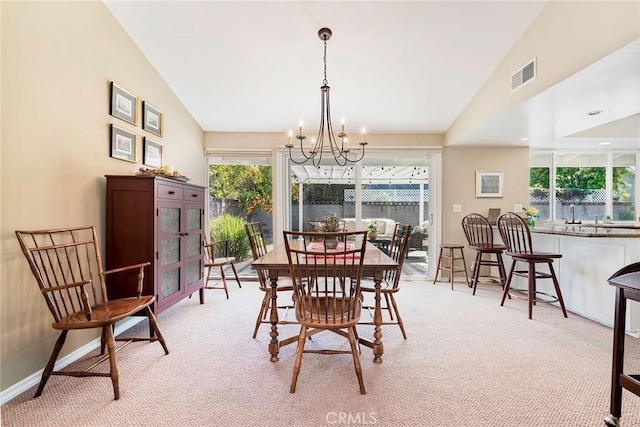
pixel 375 263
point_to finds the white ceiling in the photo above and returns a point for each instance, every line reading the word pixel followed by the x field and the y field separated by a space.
pixel 393 66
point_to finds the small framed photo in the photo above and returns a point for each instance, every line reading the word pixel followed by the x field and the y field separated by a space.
pixel 152 153
pixel 123 144
pixel 489 183
pixel 123 104
pixel 152 119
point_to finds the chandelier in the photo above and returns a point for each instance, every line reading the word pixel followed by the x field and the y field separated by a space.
pixel 338 147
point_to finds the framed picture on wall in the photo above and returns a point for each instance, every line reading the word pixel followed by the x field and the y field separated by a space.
pixel 152 153
pixel 489 183
pixel 123 104
pixel 123 144
pixel 152 119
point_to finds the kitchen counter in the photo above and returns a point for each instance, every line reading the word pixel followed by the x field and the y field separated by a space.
pixel 591 253
pixel 588 230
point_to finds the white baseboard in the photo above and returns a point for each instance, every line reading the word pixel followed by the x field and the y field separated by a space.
pixel 33 379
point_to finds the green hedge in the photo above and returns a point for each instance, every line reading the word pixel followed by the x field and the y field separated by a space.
pixel 229 227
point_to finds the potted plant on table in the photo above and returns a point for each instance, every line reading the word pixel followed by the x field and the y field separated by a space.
pixel 373 230
pixel 331 223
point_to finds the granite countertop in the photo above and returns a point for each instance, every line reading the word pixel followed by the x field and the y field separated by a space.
pixel 588 230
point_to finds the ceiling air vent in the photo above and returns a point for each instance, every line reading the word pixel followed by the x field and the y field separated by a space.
pixel 523 75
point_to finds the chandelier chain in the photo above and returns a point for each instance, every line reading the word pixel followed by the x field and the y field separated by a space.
pixel 325 82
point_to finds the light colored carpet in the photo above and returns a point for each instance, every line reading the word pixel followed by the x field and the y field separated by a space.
pixel 467 362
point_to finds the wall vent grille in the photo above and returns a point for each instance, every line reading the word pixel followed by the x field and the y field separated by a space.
pixel 523 76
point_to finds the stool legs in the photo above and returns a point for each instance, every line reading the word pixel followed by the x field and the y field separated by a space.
pixel 448 252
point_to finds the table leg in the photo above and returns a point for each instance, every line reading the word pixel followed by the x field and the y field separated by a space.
pixel 377 318
pixel 274 345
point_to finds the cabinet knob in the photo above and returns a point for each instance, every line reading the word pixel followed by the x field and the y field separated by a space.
pixel 194 195
pixel 172 192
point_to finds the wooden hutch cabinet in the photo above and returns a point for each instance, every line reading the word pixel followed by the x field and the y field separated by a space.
pixel 161 220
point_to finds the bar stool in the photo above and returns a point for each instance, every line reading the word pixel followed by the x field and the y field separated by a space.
pixel 517 238
pixel 480 237
pixel 447 252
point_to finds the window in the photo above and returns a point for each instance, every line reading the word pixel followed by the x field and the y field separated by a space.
pixel 583 186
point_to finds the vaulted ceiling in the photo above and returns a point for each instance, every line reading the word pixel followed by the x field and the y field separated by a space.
pixel 393 66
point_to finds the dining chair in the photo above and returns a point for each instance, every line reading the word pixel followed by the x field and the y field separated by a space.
pixel 258 244
pixel 216 255
pixel 67 266
pixel 516 236
pixel 479 233
pixel 326 288
pixel 391 279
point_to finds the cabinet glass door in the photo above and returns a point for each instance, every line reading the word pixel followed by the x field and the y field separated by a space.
pixel 194 238
pixel 169 257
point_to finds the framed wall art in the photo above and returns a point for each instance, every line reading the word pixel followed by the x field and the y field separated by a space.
pixel 489 183
pixel 152 119
pixel 123 144
pixel 152 153
pixel 123 104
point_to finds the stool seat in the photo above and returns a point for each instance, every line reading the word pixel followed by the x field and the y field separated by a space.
pixel 447 253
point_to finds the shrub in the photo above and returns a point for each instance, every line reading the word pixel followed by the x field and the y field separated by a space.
pixel 231 228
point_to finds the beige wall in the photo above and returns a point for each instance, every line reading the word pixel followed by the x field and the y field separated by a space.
pixel 459 165
pixel 566 37
pixel 57 61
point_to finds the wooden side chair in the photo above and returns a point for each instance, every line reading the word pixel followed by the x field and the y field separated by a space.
pixel 516 236
pixel 333 301
pixel 217 256
pixel 255 233
pixel 391 280
pixel 67 266
pixel 479 234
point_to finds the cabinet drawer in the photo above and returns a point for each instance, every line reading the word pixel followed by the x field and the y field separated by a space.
pixel 193 195
pixel 170 192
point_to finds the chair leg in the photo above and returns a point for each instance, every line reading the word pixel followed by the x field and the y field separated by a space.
pixel 153 325
pixel 501 270
pixel 235 273
pixel 476 271
pixel 435 279
pixel 395 308
pixel 464 265
pixel 532 287
pixel 508 284
pixel 356 358
pixel 388 307
pixel 298 362
pixel 52 361
pixel 224 281
pixel 113 366
pixel 103 342
pixel 558 291
pixel 263 311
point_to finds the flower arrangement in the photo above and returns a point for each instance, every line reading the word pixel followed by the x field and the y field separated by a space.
pixel 531 214
pixel 331 223
pixel 373 227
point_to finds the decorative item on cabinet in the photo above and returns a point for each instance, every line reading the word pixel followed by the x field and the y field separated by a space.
pixel 161 220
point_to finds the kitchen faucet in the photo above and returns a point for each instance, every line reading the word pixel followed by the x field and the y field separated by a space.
pixel 572 208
